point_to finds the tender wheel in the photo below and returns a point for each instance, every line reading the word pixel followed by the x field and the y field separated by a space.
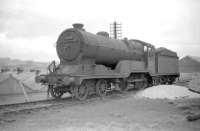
pixel 139 85
pixel 168 81
pixel 101 87
pixel 81 92
pixel 123 85
pixel 55 92
pixel 156 81
pixel 145 84
pixel 171 81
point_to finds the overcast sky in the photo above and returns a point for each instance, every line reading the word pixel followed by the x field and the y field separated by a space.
pixel 29 28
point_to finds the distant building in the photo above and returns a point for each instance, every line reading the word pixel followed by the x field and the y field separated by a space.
pixel 189 64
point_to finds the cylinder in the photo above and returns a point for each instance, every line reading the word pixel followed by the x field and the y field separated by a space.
pixel 75 44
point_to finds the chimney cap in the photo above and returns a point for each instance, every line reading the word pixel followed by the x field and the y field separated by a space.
pixel 78 26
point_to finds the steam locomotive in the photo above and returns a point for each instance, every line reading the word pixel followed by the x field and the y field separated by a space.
pixel 95 63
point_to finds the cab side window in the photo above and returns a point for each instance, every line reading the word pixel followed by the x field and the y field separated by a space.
pixel 151 52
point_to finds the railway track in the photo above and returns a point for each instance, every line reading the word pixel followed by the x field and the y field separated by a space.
pixel 19 107
pixel 37 105
pixel 67 101
pixel 45 104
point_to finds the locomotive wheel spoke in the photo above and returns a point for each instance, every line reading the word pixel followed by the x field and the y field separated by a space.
pixel 101 87
pixel 55 92
pixel 72 90
pixel 81 92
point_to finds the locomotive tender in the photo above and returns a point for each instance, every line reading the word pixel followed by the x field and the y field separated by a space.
pixel 92 63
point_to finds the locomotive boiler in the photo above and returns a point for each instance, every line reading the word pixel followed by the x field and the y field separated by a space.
pixel 74 46
pixel 94 63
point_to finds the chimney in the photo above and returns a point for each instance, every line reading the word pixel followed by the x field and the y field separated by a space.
pixel 78 26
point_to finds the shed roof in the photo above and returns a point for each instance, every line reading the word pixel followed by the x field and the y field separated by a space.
pixel 196 58
pixel 165 51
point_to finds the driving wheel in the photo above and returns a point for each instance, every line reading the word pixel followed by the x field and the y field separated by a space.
pixel 81 92
pixel 101 87
pixel 55 92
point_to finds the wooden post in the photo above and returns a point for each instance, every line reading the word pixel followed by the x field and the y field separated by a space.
pixel 24 92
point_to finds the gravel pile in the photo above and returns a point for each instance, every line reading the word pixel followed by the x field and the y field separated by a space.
pixel 167 92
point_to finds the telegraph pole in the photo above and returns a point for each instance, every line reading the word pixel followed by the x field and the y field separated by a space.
pixel 116 30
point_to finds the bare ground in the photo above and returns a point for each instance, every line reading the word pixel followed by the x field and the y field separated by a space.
pixel 111 113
